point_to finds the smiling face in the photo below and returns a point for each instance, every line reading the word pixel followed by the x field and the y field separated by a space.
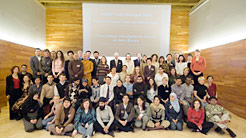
pixel 140 101
pixel 156 101
pixel 197 105
pixel 66 103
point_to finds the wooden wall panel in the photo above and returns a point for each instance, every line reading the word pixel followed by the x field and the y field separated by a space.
pixel 179 31
pixel 227 63
pixel 11 54
pixel 64 29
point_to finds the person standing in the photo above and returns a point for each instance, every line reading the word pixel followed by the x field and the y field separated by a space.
pixel 58 65
pixel 70 55
pixel 116 63
pixel 95 61
pixel 34 63
pixel 88 68
pixel 75 68
pixel 45 66
pixel 13 90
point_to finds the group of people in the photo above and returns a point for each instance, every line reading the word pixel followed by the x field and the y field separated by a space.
pixel 86 95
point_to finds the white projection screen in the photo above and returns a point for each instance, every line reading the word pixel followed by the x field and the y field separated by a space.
pixel 126 28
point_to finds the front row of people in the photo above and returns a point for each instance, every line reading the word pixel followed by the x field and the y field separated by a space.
pixel 64 120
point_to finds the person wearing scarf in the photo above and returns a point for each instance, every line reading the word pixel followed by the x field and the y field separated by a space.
pixel 157 113
pixel 32 113
pixel 174 113
pixel 63 119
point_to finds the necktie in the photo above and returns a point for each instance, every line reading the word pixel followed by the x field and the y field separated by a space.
pixel 107 96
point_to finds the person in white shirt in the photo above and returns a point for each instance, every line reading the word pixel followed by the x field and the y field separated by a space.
pixel 106 91
pixel 114 76
pixel 129 63
pixel 151 90
pixel 180 65
pixel 160 75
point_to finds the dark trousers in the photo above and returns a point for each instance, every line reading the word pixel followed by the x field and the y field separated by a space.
pixel 196 77
pixel 99 128
pixel 44 79
pixel 125 128
pixel 46 106
pixel 16 94
pixel 206 126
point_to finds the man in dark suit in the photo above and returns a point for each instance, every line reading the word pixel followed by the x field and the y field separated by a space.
pixel 169 61
pixel 34 63
pixel 116 63
pixel 95 61
pixel 137 61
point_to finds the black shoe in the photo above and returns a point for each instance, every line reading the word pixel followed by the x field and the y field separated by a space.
pixel 111 133
pixel 131 129
pixel 51 133
pixel 220 131
pixel 68 134
pixel 233 135
pixel 166 128
pixel 194 130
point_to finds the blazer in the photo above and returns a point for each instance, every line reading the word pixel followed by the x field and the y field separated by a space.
pixel 95 64
pixel 136 63
pixel 120 112
pixel 10 85
pixel 118 66
pixel 34 64
pixel 149 72
pixel 60 116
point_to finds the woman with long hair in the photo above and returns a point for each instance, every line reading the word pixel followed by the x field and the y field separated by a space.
pixel 58 65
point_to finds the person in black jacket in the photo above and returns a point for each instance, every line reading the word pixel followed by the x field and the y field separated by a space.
pixel 119 92
pixel 70 55
pixel 95 61
pixel 32 113
pixel 139 88
pixel 116 63
pixel 85 92
pixel 13 90
pixel 61 87
pixel 23 72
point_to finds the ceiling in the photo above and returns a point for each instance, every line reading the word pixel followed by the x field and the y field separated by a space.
pixel 77 4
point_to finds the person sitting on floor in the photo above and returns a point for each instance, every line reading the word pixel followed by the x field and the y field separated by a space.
pixel 219 116
pixel 196 118
pixel 105 118
pixel 157 110
pixel 124 115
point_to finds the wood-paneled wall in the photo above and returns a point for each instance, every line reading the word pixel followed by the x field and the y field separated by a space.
pixel 179 31
pixel 11 54
pixel 64 30
pixel 227 63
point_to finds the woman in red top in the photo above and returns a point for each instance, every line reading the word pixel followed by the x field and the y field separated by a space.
pixel 13 90
pixel 198 65
pixel 211 86
pixel 196 118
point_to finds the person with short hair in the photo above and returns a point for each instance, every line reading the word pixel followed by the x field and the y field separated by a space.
pixel 196 116
pixel 35 63
pixel 116 62
pixel 114 76
pixel 70 55
pixel 47 94
pixel 139 88
pixel 75 68
pixel 23 72
pixel 119 92
pixel 169 61
pixel 211 86
pixel 95 92
pixel 157 115
pixel 61 86
pixel 137 62
pixel 143 63
pixel 45 66
pixel 63 119
pixel 189 90
pixel 164 91
pixel 149 70
pixel 219 116
pixel 129 63
pixel 198 65
pixel 106 91
pixel 123 73
pixel 72 92
pixel 85 91
pixel 36 87
pixel 160 75
pixel 88 68
pixel 129 87
pixel 124 115
pixel 95 61
pixel 200 91
pixel 84 119
pixel 105 118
